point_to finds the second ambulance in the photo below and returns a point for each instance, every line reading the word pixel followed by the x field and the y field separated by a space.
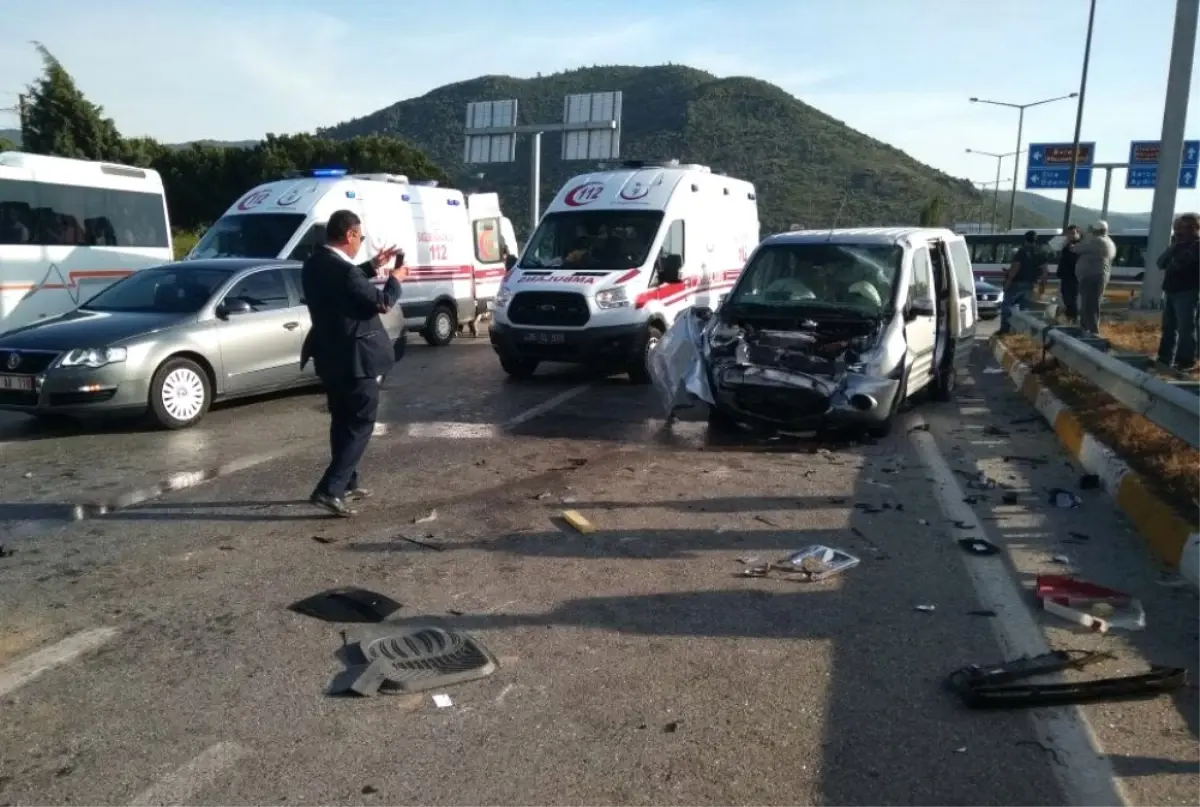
pixel 617 257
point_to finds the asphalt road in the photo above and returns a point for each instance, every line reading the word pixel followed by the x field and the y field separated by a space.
pixel 147 655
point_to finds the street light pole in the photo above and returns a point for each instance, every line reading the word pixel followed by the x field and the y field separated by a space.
pixel 1087 57
pixel 1012 205
pixel 995 194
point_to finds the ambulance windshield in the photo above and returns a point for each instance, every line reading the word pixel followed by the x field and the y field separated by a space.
pixel 595 239
pixel 253 235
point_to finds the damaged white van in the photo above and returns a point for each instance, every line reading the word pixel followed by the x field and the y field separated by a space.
pixel 827 327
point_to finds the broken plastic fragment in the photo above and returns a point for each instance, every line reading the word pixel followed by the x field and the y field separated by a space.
pixel 426 519
pixel 346 605
pixel 928 609
pixel 978 546
pixel 1064 499
pixel 442 701
pixel 577 521
pixel 820 562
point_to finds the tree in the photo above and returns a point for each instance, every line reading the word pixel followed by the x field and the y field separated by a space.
pixel 7 145
pixel 58 120
pixel 934 213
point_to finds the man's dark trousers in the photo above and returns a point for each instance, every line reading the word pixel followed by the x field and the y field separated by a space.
pixel 353 406
pixel 1069 291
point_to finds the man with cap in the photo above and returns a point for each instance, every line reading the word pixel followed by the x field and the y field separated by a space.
pixel 1094 268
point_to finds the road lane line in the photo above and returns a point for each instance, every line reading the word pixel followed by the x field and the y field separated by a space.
pixel 1085 774
pixel 21 672
pixel 186 781
pixel 545 406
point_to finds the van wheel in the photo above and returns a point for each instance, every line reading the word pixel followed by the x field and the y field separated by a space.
pixel 884 429
pixel 639 369
pixel 441 327
pixel 946 384
pixel 180 394
pixel 719 422
pixel 518 368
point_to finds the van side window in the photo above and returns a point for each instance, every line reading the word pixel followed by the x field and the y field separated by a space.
pixel 673 243
pixel 312 239
pixel 961 258
pixel 921 287
pixel 487 240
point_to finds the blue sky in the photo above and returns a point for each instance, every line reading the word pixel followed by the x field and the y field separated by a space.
pixel 899 70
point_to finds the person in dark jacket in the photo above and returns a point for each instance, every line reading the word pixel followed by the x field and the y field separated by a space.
pixel 350 349
pixel 1028 269
pixel 1068 283
pixel 1181 285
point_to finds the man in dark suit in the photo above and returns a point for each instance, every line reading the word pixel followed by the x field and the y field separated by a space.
pixel 350 349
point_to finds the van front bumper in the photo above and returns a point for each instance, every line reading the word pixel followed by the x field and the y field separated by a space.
pixel 806 402
pixel 615 343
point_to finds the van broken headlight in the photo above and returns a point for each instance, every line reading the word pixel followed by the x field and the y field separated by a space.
pixel 612 298
pixel 723 334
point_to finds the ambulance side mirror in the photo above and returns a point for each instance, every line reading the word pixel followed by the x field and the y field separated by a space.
pixel 671 270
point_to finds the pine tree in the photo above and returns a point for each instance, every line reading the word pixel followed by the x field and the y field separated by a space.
pixel 934 213
pixel 58 120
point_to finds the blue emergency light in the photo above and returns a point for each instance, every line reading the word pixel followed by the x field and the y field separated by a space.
pixel 318 173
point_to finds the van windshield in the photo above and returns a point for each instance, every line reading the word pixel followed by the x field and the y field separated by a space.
pixel 858 277
pixel 594 239
pixel 253 235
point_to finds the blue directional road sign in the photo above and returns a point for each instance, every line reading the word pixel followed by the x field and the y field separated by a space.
pixel 1049 166
pixel 1143 164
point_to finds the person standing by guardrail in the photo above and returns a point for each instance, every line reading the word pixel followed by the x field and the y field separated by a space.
pixel 1181 285
pixel 1029 267
pixel 1094 268
pixel 1068 281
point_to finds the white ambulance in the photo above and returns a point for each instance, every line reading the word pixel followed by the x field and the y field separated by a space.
pixel 451 242
pixel 616 258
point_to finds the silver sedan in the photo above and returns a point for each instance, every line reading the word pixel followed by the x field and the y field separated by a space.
pixel 167 341
pixel 988 299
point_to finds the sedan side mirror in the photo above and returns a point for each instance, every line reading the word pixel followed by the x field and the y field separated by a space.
pixel 233 305
pixel 919 308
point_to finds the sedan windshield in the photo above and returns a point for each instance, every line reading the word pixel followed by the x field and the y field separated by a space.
pixel 253 235
pixel 169 290
pixel 595 239
pixel 858 277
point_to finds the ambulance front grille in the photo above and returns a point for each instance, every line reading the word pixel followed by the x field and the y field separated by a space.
pixel 554 309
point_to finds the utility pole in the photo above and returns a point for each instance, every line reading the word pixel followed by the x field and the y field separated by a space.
pixel 1087 57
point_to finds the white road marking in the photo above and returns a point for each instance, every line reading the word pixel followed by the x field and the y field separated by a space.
pixel 504 693
pixel 545 406
pixel 21 672
pixel 184 782
pixel 454 431
pixel 1086 774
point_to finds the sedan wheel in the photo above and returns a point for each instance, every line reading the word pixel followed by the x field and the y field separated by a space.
pixel 180 394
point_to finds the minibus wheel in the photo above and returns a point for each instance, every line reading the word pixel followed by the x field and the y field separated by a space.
pixel 518 368
pixel 440 329
pixel 639 369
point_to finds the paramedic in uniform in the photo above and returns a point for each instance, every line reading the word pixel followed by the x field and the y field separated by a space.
pixel 350 349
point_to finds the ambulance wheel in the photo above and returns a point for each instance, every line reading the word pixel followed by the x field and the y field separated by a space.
pixel 441 327
pixel 518 368
pixel 639 369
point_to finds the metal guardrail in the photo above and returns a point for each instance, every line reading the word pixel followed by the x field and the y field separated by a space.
pixel 1174 406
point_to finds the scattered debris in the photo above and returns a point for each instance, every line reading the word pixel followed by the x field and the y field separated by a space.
pixel 920 427
pixel 420 543
pixel 963 525
pixel 5 552
pixel 29 474
pixel 836 500
pixel 1076 537
pixel 324 539
pixel 573 464
pixel 978 546
pixel 748 561
pixel 347 605
pixel 879 553
pixel 981 612
pixel 671 727
pixel 923 522
pixel 1008 497
pixel 878 484
pixel 993 370
pixel 1089 482
pixel 1092 606
pixel 1063 559
pixel 541 496
pixel 569 499
pixel 767 521
pixel 867 508
pixel 577 521
pixel 412 659
pixel 982 481
pixel 961 750
pixel 813 563
pixel 927 609
pixel 982 687
pixel 1033 461
pixel 971 499
pixel 995 431
pixel 426 519
pixel 1064 499
pixel 442 701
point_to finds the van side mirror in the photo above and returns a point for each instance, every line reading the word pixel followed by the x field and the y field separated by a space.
pixel 919 308
pixel 233 305
pixel 671 270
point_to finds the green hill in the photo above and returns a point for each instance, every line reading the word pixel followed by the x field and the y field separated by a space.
pixel 1052 209
pixel 803 162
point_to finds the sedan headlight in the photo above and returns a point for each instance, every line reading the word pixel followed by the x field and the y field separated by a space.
pixel 92 357
pixel 612 298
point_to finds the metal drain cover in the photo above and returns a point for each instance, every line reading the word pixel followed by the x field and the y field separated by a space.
pixel 415 659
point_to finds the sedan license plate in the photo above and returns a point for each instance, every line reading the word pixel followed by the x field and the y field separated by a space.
pixel 545 338
pixel 24 383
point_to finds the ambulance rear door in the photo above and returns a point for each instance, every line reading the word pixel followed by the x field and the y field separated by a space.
pixel 486 233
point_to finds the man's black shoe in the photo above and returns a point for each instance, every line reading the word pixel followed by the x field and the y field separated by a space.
pixel 358 494
pixel 331 504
